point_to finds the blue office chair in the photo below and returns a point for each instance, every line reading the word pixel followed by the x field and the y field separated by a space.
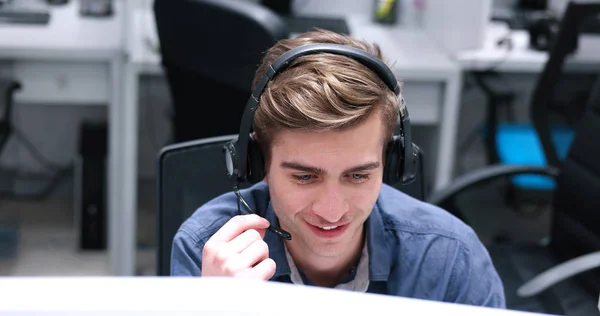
pixel 519 144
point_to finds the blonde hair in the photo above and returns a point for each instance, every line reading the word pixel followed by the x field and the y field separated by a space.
pixel 321 92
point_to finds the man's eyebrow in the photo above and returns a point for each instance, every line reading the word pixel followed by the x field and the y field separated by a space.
pixel 363 167
pixel 301 167
pixel 306 168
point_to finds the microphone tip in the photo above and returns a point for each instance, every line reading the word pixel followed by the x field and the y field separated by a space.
pixel 281 233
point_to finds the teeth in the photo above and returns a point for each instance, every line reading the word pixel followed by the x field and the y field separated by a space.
pixel 328 227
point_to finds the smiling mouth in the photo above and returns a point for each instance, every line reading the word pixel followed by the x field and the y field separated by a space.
pixel 328 227
pixel 328 231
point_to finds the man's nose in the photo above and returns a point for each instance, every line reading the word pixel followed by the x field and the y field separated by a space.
pixel 331 204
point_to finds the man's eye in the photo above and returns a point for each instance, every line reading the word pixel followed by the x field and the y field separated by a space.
pixel 302 177
pixel 359 176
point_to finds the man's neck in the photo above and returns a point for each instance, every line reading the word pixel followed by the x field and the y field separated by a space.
pixel 326 271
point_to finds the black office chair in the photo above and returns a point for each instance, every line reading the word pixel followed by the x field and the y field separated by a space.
pixel 575 230
pixel 210 50
pixel 570 282
pixel 192 173
pixel 8 88
pixel 556 105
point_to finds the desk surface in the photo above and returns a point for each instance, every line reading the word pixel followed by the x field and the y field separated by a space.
pixel 66 36
pixel 413 54
pixel 521 58
pixel 222 296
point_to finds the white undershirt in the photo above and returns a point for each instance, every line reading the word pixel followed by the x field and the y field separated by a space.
pixel 360 283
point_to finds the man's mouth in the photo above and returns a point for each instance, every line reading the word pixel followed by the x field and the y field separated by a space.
pixel 328 227
pixel 328 231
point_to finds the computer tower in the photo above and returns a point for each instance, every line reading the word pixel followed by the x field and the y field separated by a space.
pixel 90 186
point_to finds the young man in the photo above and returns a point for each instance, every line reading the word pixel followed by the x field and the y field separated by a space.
pixel 323 125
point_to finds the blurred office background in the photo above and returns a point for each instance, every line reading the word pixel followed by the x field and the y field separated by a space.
pixel 61 116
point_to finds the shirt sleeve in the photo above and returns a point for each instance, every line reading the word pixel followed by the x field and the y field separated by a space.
pixel 474 279
pixel 186 255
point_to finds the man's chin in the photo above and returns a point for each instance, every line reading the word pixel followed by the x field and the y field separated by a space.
pixel 329 248
pixel 329 252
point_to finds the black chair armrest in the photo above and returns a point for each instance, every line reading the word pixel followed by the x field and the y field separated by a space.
pixel 9 87
pixel 476 177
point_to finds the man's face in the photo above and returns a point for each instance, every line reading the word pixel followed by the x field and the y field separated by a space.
pixel 324 185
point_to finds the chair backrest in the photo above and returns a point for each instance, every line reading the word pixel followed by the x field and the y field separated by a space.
pixel 192 173
pixel 576 219
pixel 7 91
pixel 189 175
pixel 210 50
pixel 545 107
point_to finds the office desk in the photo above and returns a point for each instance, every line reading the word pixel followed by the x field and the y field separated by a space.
pixel 75 60
pixel 36 54
pixel 521 58
pixel 208 296
pixel 431 82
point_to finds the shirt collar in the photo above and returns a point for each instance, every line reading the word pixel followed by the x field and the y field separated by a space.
pixel 356 280
pixel 381 245
pixel 276 246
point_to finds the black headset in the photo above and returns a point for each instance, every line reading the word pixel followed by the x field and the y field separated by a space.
pixel 243 157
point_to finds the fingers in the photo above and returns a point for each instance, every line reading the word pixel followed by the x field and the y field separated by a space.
pixel 264 270
pixel 241 242
pixel 248 258
pixel 238 249
pixel 239 224
pixel 224 251
pixel 255 253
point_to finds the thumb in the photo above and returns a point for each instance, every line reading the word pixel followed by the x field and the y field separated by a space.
pixel 238 225
pixel 262 232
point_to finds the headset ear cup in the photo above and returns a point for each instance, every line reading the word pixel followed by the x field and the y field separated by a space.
pixel 410 174
pixel 256 164
pixel 392 172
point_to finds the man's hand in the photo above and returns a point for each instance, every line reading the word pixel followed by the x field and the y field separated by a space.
pixel 238 250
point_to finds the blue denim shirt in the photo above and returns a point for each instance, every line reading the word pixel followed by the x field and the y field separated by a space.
pixel 415 249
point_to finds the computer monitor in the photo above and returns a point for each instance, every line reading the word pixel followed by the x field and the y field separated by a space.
pixel 207 296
